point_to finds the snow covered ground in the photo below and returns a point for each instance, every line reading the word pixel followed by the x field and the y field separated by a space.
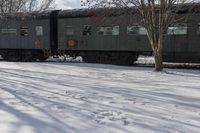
pixel 91 98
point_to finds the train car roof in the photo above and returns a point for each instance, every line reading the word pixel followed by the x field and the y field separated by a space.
pixel 75 13
pixel 31 15
pixel 86 12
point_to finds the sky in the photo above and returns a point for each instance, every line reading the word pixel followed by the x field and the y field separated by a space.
pixel 68 4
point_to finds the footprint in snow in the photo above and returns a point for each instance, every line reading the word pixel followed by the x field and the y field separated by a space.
pixel 60 107
pixel 57 107
pixel 107 116
pixel 112 102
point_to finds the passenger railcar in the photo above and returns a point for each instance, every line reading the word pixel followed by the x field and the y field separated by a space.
pixel 100 40
pixel 119 39
pixel 30 36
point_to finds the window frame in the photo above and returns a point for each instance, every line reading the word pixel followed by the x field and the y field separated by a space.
pixel 87 31
pixel 198 28
pixel 72 32
pixel 7 31
pixel 140 31
pixel 39 30
pixel 105 30
pixel 177 30
pixel 22 29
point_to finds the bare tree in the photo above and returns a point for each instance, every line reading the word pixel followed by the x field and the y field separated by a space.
pixel 156 16
pixel 38 5
pixel 11 6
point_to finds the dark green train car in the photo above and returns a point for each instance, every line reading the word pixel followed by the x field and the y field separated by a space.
pixel 118 39
pixel 97 39
pixel 28 36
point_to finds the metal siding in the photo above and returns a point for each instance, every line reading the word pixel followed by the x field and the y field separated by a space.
pixel 25 42
pixel 124 42
pixel 9 41
pixel 120 42
pixel 194 38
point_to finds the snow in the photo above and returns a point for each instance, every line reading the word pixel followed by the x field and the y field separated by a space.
pixel 65 58
pixel 1 58
pixel 148 60
pixel 56 97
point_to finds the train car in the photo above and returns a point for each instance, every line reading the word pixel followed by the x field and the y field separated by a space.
pixel 115 38
pixel 28 36
pixel 82 34
pixel 119 39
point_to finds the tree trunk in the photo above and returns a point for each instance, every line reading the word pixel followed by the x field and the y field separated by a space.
pixel 158 60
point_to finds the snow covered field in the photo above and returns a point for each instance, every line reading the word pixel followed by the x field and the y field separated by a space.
pixel 91 98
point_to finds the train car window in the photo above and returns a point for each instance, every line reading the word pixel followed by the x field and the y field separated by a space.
pixel 24 31
pixel 39 30
pixel 177 30
pixel 115 30
pixel 69 30
pixel 87 30
pixel 108 30
pixel 136 30
pixel 8 31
